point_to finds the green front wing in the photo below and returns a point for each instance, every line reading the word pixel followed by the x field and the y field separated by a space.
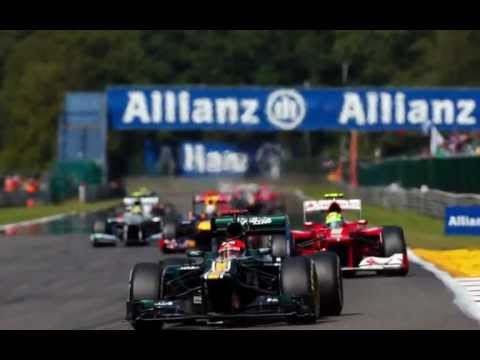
pixel 254 225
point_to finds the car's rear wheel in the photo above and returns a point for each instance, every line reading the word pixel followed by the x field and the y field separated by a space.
pixel 393 242
pixel 282 246
pixel 327 267
pixel 298 279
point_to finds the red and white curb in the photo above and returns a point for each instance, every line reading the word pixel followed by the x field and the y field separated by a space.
pixel 35 221
pixel 466 291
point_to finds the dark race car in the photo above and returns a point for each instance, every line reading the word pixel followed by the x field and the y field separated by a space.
pixel 194 231
pixel 233 282
pixel 360 248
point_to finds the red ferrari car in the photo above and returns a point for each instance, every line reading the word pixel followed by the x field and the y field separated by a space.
pixel 359 247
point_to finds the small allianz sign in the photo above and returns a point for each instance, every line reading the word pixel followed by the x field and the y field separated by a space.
pixel 462 220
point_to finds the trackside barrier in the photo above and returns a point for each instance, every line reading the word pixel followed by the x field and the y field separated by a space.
pixel 424 201
pixel 455 174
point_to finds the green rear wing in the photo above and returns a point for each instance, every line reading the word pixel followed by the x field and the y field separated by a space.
pixel 253 225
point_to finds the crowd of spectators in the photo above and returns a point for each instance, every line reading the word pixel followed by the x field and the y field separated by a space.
pixel 14 184
pixel 459 144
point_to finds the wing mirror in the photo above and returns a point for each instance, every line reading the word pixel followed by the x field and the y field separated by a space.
pixel 195 253
pixel 362 222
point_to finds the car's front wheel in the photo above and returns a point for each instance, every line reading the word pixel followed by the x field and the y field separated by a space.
pixel 145 285
pixel 327 266
pixel 298 279
pixel 393 242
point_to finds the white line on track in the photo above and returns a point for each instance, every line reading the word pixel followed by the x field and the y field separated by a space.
pixel 36 221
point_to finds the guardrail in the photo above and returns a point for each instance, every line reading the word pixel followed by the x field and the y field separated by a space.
pixel 424 201
pixel 19 198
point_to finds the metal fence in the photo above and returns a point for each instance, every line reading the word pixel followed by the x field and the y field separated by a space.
pixel 424 201
pixel 19 198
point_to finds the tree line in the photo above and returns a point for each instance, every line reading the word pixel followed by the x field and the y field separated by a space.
pixel 37 67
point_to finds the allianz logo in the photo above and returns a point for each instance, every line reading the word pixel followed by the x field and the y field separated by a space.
pixel 197 159
pixel 284 108
pixel 463 220
pixel 377 108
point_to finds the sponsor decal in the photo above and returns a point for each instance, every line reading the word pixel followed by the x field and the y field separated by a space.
pixel 287 109
pixel 255 220
pixel 205 159
pixel 462 220
pixel 393 108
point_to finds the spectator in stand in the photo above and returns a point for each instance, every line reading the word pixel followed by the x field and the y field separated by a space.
pixel 12 183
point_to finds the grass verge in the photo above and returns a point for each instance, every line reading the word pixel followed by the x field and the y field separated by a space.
pixel 18 214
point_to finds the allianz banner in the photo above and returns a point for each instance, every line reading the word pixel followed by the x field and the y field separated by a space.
pixel 214 159
pixel 462 220
pixel 287 109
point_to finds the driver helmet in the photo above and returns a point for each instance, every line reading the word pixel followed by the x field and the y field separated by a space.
pixel 231 249
pixel 334 220
pixel 137 207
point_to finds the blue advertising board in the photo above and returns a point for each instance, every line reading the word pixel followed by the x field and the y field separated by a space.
pixel 213 159
pixel 288 109
pixel 462 220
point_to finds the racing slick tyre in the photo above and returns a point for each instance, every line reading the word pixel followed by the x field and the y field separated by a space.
pixel 328 269
pixel 394 243
pixel 145 282
pixel 282 246
pixel 298 279
pixel 145 285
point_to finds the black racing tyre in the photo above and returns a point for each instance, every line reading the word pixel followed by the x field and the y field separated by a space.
pixel 145 285
pixel 145 282
pixel 328 269
pixel 393 242
pixel 282 246
pixel 169 231
pixel 298 279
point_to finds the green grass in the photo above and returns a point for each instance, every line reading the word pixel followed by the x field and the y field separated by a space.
pixel 421 231
pixel 17 214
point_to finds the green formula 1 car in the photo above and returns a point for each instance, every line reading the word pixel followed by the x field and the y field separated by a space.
pixel 235 282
